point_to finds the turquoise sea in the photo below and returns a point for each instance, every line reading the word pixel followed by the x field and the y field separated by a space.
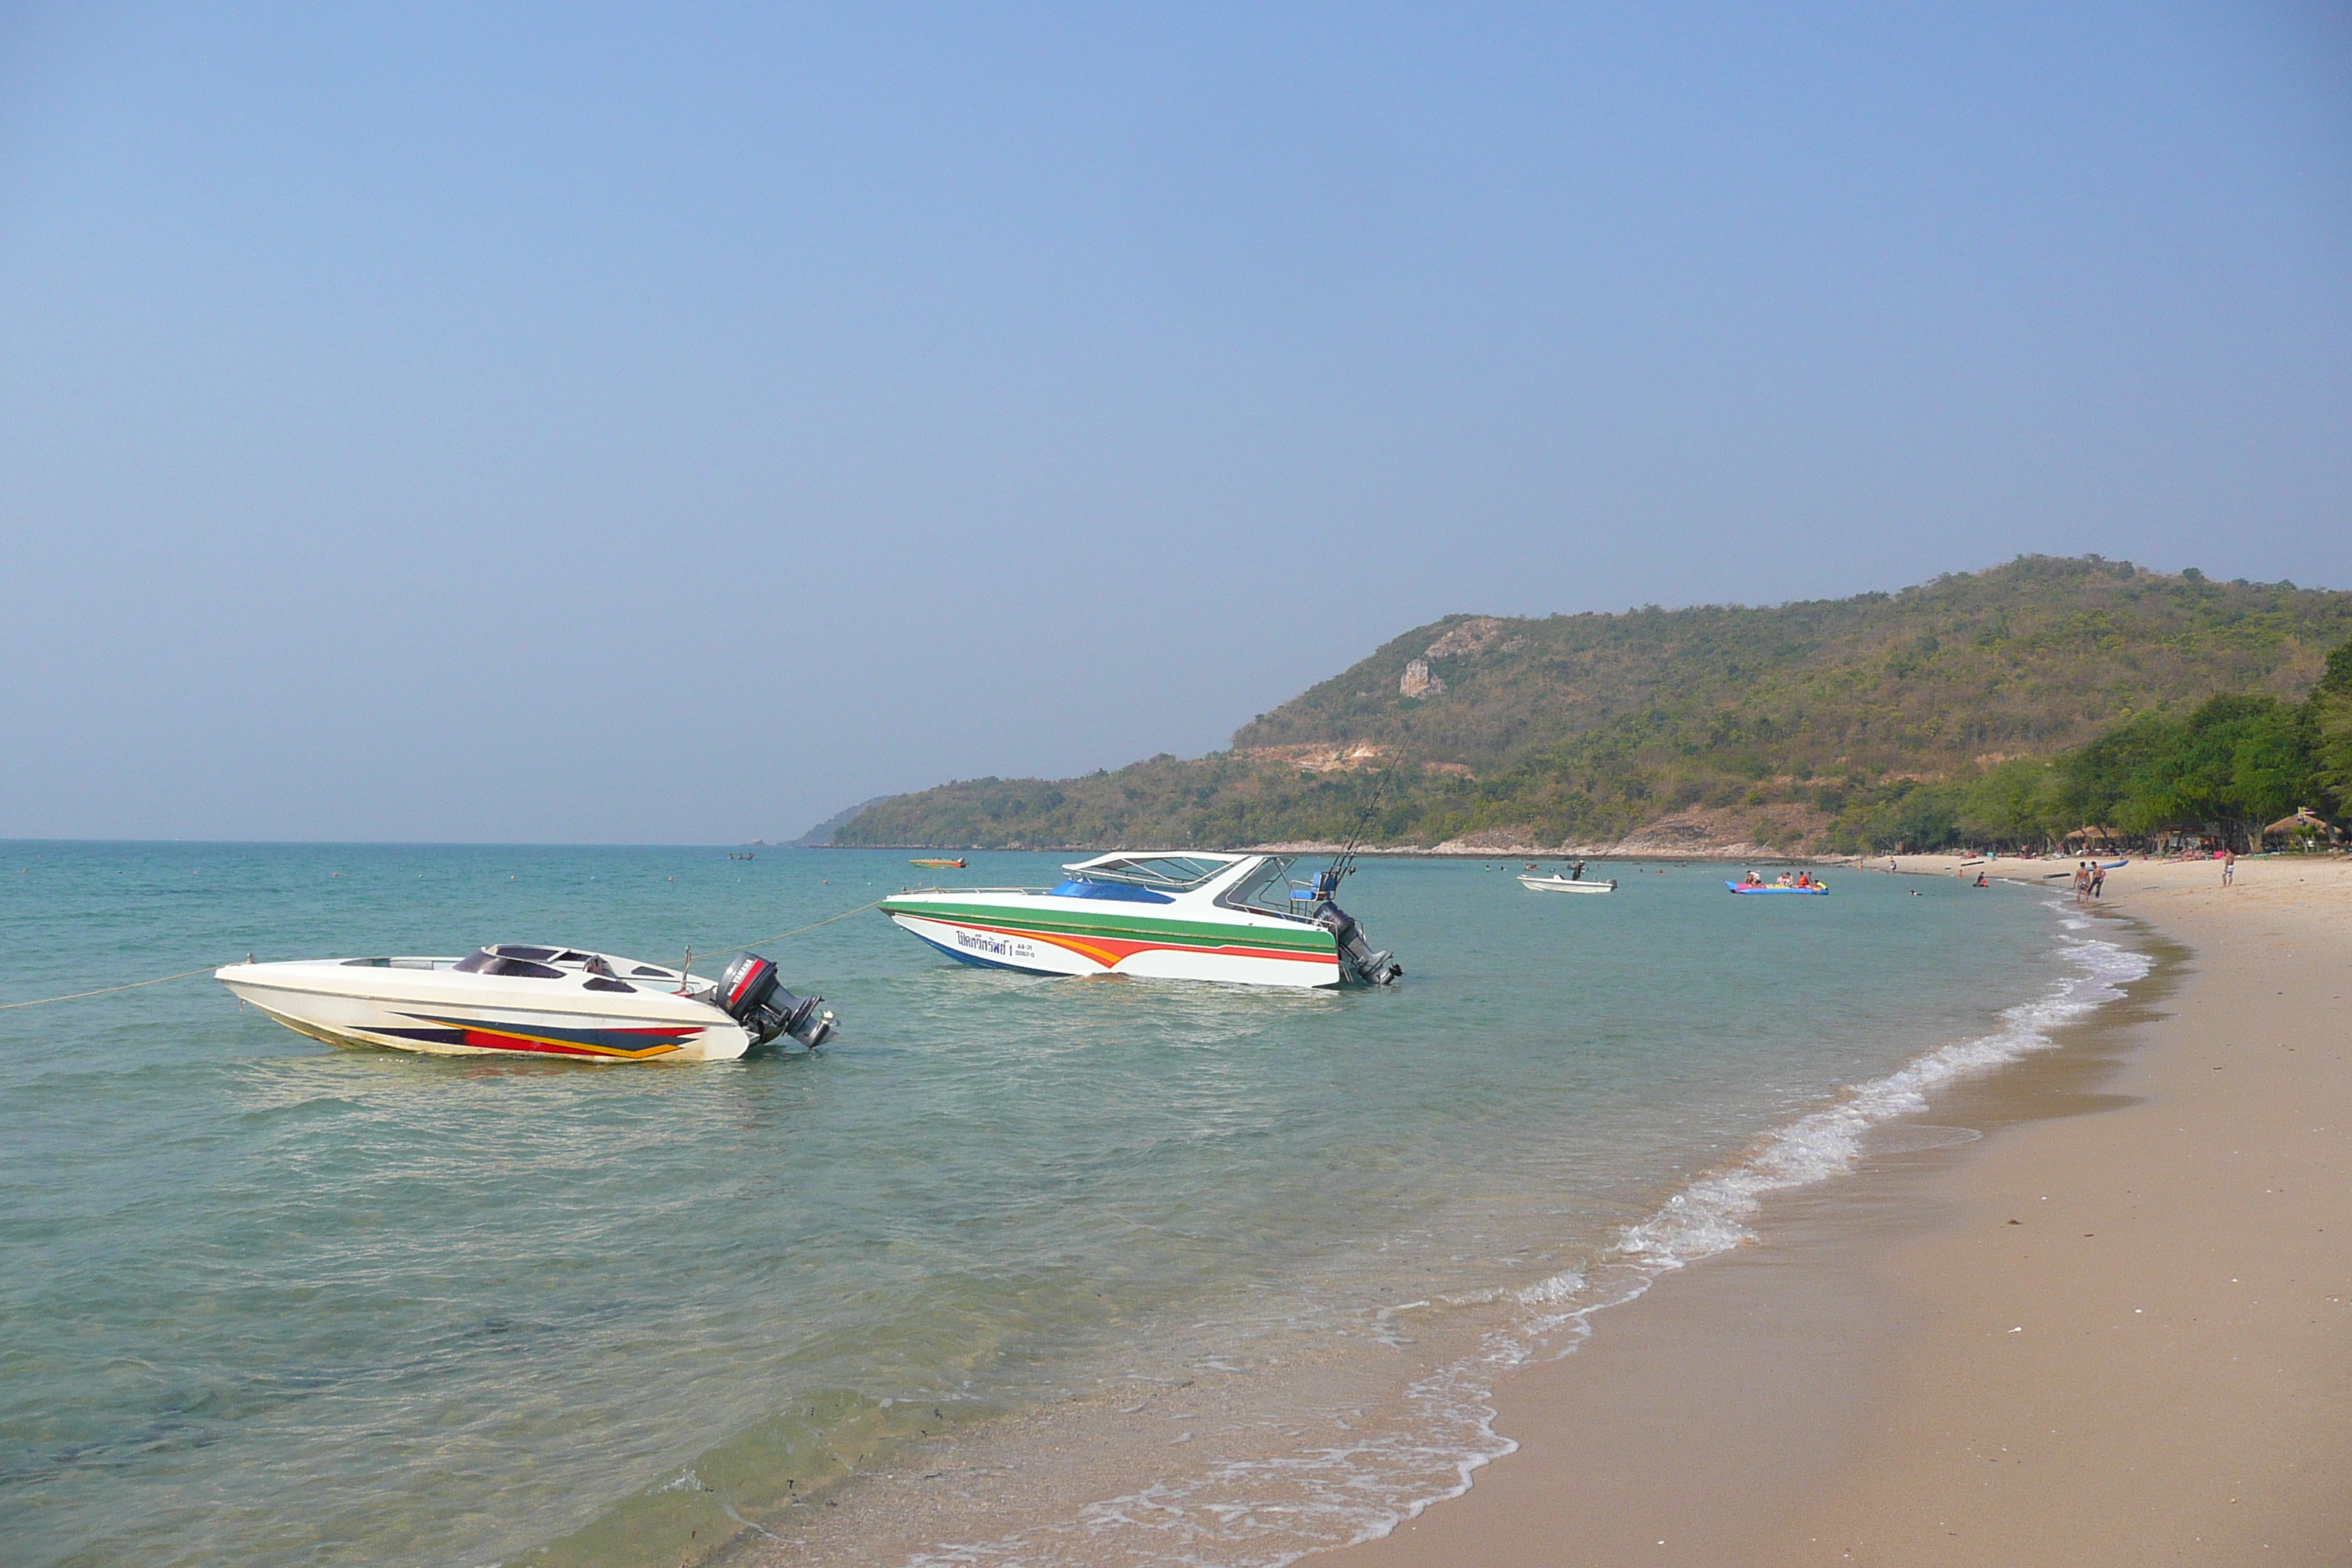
pixel 1016 1270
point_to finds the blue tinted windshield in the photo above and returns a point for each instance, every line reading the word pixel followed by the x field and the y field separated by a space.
pixel 1125 892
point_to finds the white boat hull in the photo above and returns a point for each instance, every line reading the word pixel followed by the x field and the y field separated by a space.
pixel 440 1012
pixel 1562 885
pixel 1007 943
pixel 1232 919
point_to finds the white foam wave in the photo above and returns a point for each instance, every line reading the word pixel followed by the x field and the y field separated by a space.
pixel 1711 1215
pixel 1270 1512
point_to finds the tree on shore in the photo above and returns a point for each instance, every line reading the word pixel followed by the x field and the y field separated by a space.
pixel 2231 764
pixel 2331 722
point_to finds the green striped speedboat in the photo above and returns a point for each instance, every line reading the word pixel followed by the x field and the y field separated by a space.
pixel 1169 915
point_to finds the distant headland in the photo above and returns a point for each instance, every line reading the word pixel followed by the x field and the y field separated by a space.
pixel 1973 708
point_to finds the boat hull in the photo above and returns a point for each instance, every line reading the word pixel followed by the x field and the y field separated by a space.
pixel 434 1016
pixel 1083 940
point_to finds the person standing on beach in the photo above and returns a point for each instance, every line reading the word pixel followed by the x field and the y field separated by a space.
pixel 2229 868
pixel 2099 881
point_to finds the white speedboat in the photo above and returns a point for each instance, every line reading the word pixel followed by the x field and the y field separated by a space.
pixel 525 1000
pixel 1567 885
pixel 1171 915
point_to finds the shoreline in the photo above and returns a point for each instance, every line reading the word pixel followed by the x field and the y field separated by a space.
pixel 1633 851
pixel 1896 1372
pixel 1630 852
pixel 1704 1215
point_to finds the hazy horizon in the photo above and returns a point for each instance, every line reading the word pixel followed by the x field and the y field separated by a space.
pixel 494 424
pixel 784 839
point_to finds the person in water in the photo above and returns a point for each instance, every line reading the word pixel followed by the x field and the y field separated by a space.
pixel 1980 881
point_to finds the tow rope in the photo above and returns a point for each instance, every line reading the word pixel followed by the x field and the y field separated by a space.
pixel 780 936
pixel 104 990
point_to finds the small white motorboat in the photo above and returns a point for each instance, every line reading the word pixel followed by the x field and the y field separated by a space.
pixel 542 1001
pixel 1168 915
pixel 1556 884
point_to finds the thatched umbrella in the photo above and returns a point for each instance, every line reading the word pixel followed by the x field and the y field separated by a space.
pixel 2304 820
pixel 2091 835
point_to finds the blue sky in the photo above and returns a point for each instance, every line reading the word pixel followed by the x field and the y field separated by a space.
pixel 676 423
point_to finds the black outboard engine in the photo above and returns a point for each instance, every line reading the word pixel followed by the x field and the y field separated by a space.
pixel 1356 954
pixel 750 995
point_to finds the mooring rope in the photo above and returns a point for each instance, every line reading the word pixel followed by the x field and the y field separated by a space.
pixel 788 935
pixel 105 990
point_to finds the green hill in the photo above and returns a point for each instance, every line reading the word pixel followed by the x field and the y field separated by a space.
pixel 1797 726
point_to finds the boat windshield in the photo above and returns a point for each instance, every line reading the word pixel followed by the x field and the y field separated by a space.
pixel 511 960
pixel 1169 872
pixel 1269 888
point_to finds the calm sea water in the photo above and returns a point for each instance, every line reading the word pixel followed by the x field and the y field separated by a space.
pixel 266 1302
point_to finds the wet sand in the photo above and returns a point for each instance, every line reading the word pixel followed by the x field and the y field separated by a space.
pixel 2117 1329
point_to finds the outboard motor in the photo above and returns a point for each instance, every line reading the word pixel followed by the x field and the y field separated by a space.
pixel 749 993
pixel 1356 954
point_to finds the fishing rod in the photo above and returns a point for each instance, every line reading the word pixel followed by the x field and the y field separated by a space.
pixel 1343 865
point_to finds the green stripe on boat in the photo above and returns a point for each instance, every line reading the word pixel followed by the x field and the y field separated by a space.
pixel 1125 927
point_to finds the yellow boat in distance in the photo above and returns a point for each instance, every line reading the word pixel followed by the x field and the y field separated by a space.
pixel 943 864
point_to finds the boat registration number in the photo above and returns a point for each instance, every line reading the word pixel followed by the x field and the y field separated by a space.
pixel 996 946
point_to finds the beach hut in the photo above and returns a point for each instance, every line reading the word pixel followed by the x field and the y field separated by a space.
pixel 2306 829
pixel 2093 837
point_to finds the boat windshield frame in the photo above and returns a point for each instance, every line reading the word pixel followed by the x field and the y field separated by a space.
pixel 1267 889
pixel 540 962
pixel 507 964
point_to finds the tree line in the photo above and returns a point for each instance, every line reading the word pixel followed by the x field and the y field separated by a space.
pixel 2226 767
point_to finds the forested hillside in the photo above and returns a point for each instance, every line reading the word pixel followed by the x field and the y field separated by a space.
pixel 1806 725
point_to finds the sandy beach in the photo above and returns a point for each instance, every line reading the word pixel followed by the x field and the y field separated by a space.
pixel 2115 1328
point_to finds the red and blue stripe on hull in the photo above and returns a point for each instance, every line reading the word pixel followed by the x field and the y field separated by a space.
pixel 635 1043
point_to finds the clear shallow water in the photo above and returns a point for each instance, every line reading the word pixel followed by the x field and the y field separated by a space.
pixel 267 1302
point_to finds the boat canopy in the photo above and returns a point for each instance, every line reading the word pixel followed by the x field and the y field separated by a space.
pixel 1170 873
